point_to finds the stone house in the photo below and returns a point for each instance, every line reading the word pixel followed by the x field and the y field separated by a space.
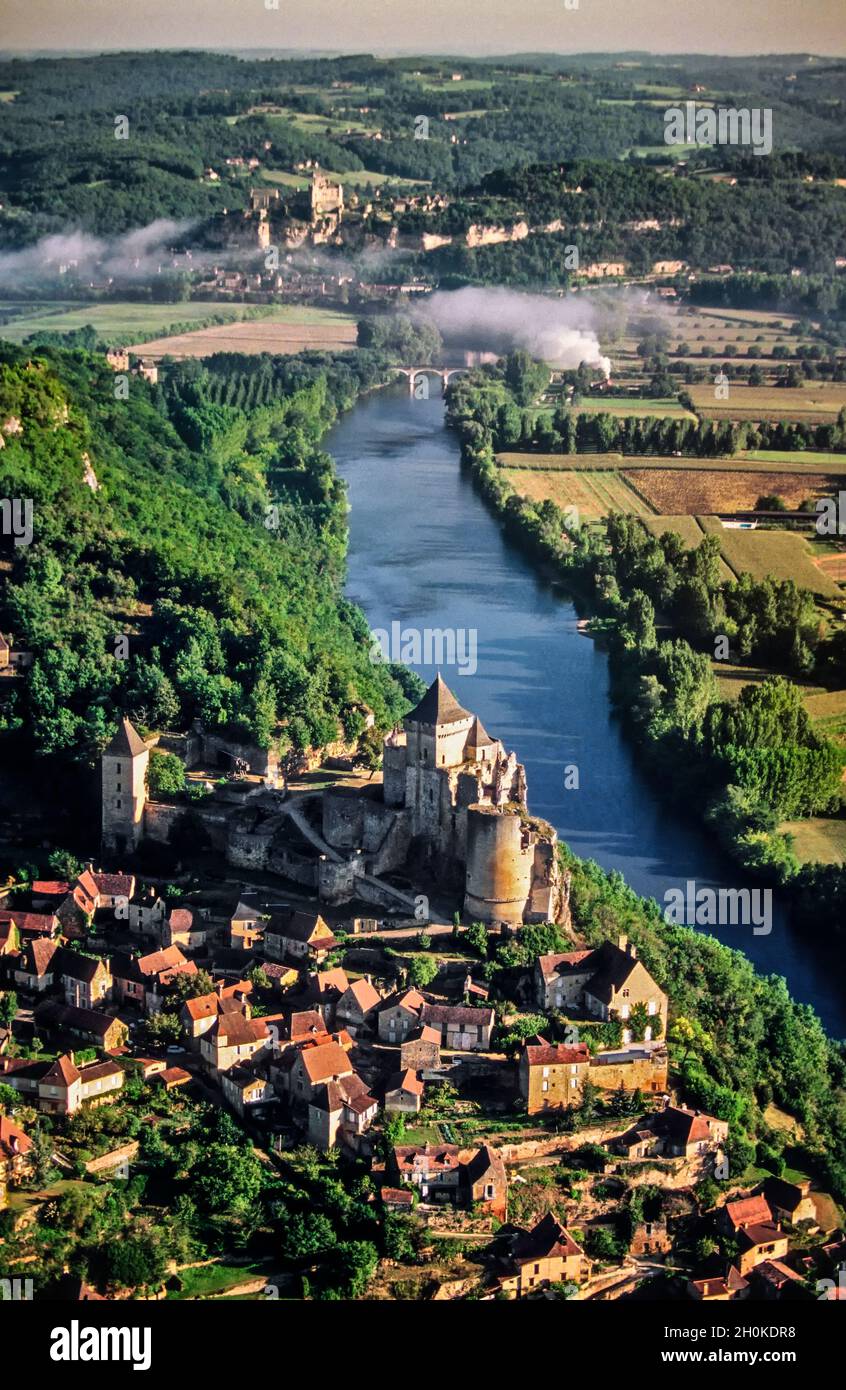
pixel 298 936
pixel 485 1181
pixel 146 912
pixel 246 928
pixel 143 980
pixel 340 1111
pixel 356 1007
pixel 434 1169
pixel 608 982
pixel 246 1085
pixel 199 1014
pixel 324 989
pixel 85 981
pixel 92 1025
pixel 720 1287
pixel 232 1039
pixel 760 1241
pixel 15 1152
pixel 399 1016
pixel 790 1201
pixel 33 969
pixel 547 1254
pixel 551 1075
pixel 60 1087
pixel 462 1028
pixel 316 1064
pixel 404 1093
pixel 422 1050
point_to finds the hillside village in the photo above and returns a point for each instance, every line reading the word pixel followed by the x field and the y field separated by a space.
pixel 527 1139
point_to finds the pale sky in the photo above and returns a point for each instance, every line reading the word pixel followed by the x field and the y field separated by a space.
pixel 430 26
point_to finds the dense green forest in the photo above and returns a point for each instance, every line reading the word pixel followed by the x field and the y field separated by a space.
pixel 214 539
pixel 60 163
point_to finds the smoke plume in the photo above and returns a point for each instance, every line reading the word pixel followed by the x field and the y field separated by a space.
pixel 560 331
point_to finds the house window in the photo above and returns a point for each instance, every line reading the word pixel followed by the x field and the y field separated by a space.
pixel 544 1085
pixel 545 1071
pixel 118 804
pixel 117 769
pixel 573 1084
pixel 489 1191
pixel 652 1007
pixel 625 1011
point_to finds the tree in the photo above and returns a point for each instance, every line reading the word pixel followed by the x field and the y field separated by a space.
pixel 164 1028
pixel 477 935
pixel 306 1236
pixel 165 774
pixel 228 1178
pixel 134 1261
pixel 8 1008
pixel 422 971
pixel 64 865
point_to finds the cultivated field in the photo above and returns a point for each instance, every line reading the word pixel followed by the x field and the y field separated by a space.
pixel 123 322
pixel 637 406
pixel 818 402
pixel 817 840
pixel 746 461
pixel 323 332
pixel 593 494
pixel 705 489
pixel 782 554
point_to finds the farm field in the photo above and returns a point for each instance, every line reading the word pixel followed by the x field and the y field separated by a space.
pixel 817 840
pixel 355 178
pixel 634 405
pixel 827 708
pixel 782 554
pixel 795 462
pixel 705 490
pixel 593 494
pixel 731 678
pixel 816 403
pixel 296 332
pixel 118 322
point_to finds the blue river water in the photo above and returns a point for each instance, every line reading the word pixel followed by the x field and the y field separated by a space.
pixel 426 553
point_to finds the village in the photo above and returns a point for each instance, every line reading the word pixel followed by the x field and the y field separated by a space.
pixel 531 1123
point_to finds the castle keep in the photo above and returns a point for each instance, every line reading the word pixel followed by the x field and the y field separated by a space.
pixel 450 811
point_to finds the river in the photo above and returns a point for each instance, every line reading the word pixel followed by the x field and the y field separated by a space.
pixel 425 551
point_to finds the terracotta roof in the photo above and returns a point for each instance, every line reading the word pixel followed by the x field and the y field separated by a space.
pixel 410 999
pixel 306 1023
pixel 484 1161
pixel 335 979
pixel 365 995
pixel 559 962
pixel 325 1062
pixel 62 1072
pixel 97 1071
pixel 721 1284
pixel 411 1158
pixel 747 1211
pixel 42 922
pixel 50 888
pixel 556 1054
pixel 210 1005
pixel 13 1141
pixel 126 742
pixel 181 919
pixel 406 1081
pixel 37 955
pixel 397 1197
pixel 438 706
pixel 777 1273
pixel 114 885
pixel 173 1076
pixel 234 1030
pixel 346 1090
pixel 683 1126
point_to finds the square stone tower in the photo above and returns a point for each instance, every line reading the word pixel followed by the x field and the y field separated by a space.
pixel 124 788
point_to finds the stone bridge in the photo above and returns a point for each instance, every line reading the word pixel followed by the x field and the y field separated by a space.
pixel 415 374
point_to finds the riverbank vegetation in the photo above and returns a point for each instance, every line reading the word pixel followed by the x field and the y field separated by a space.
pixel 746 764
pixel 188 552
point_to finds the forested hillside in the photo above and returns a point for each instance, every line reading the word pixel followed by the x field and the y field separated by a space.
pixel 212 536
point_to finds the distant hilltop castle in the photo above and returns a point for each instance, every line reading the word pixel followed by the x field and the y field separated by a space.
pixel 451 811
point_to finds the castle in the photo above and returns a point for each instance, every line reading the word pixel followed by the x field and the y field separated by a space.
pixel 450 812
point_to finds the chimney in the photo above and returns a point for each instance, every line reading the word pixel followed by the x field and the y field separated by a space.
pixel 622 942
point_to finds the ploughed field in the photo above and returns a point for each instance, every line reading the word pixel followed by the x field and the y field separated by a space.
pixel 335 333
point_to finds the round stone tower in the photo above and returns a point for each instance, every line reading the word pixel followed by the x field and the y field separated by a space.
pixel 500 860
